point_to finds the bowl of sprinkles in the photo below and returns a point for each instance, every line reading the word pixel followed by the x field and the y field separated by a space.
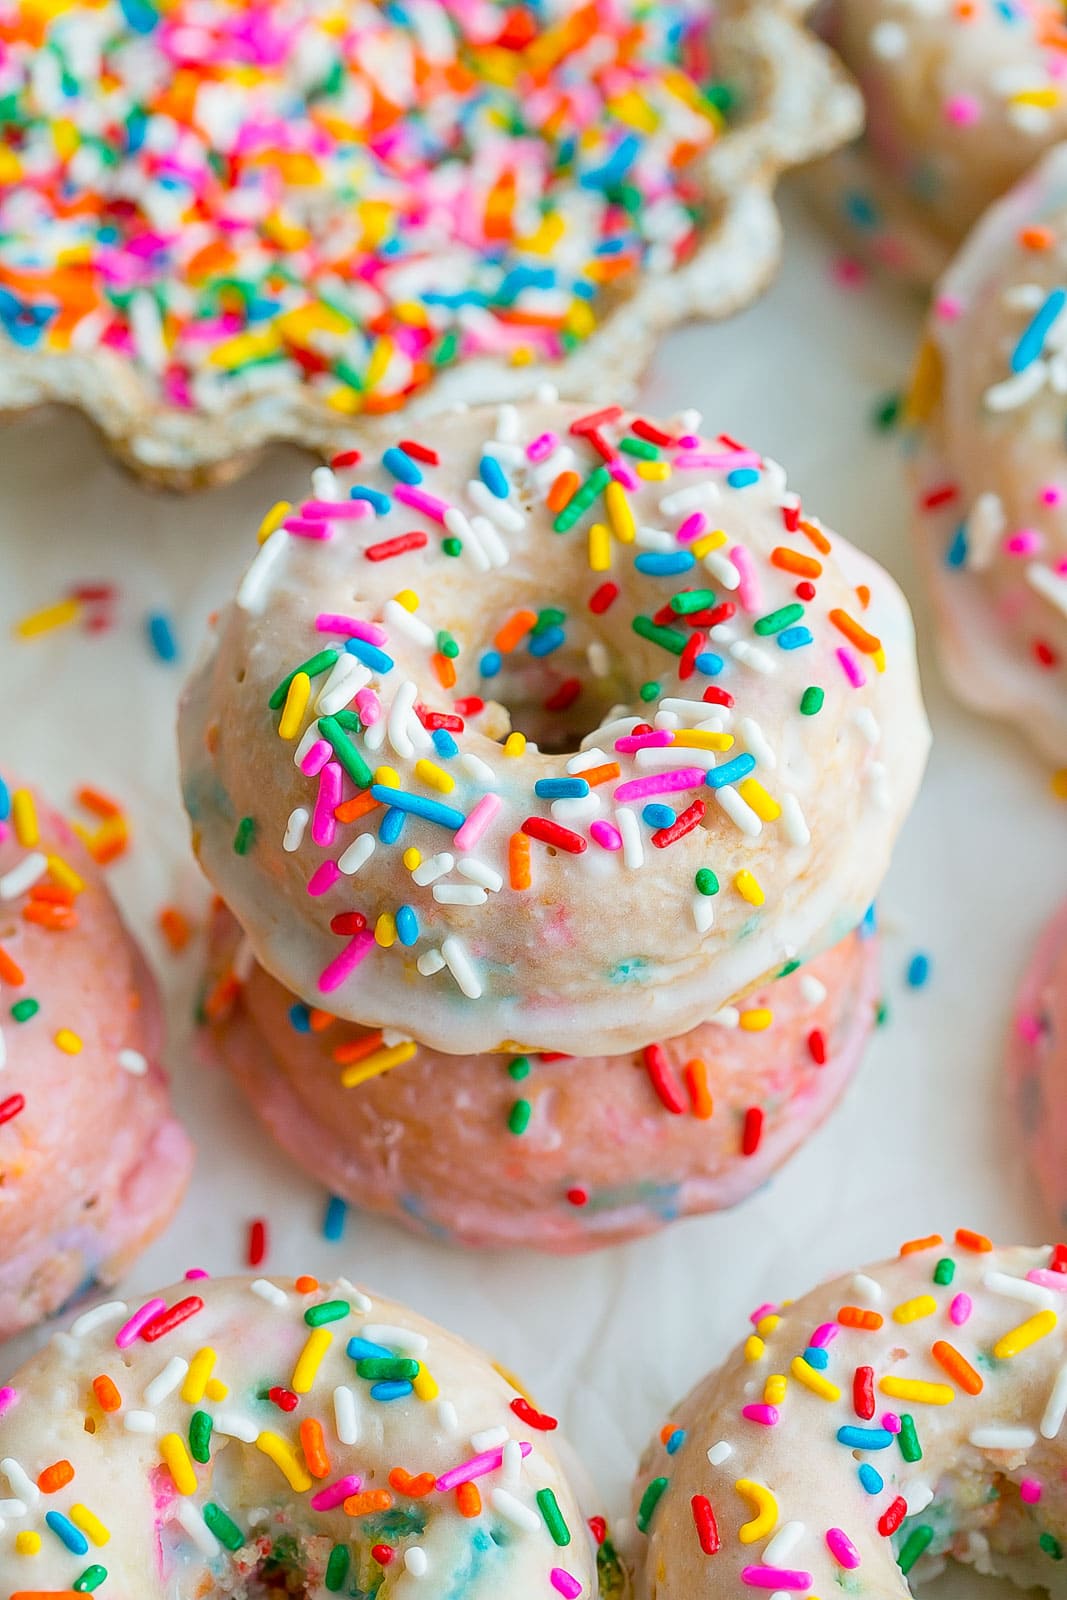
pixel 223 224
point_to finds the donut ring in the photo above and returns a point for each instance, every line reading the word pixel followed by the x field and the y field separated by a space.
pixel 538 907
pixel 237 1429
pixel 1035 1065
pixel 988 465
pixel 864 1433
pixel 563 1155
pixel 92 1161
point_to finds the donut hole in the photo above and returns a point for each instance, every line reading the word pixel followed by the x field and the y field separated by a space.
pixel 557 699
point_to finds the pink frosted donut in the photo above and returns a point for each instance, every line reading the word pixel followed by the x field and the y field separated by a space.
pixel 1036 1065
pixel 92 1163
pixel 561 1154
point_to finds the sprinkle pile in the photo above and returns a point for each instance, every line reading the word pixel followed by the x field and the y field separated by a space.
pixel 344 199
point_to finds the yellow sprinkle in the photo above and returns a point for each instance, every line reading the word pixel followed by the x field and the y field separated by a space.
pixel 879 659
pixel 10 167
pixel 1058 783
pixel 924 1305
pixel 385 930
pixel 408 599
pixel 24 817
pixel 435 776
pixel 379 361
pixel 702 739
pixel 580 319
pixel 349 401
pixel 774 1389
pixel 1026 1334
pixel 216 1389
pixel 172 1449
pixel 412 858
pixel 634 109
pixel 748 888
pixel 547 236
pixel 599 548
pixel 765 1506
pixel 515 744
pixel 283 1455
pixel 654 471
pixel 925 389
pixel 310 1360
pixel 766 1325
pixel 755 795
pixel 89 1524
pixel 812 1379
pixel 522 356
pixel 378 1061
pixel 1045 99
pixel 27 1543
pixel 196 1379
pixel 61 615
pixel 65 875
pixel 925 1394
pixel 755 1020
pixel 754 1348
pixel 296 702
pixel 243 347
pixel 70 1043
pixel 273 520
pixel 620 515
pixel 387 775
pixel 425 1384
pixel 707 543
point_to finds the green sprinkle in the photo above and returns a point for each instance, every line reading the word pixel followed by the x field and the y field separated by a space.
pixel 337 1567
pixel 692 600
pixel 350 721
pixel 915 1545
pixel 242 839
pixel 447 645
pixel 23 1010
pixel 723 96
pixel 223 1527
pixel 582 499
pixel 671 639
pixel 90 1579
pixel 881 1014
pixel 886 412
pixel 350 758
pixel 519 1116
pixel 790 966
pixel 519 1068
pixel 446 350
pixel 312 666
pixel 549 617
pixel 1051 1546
pixel 706 881
pixel 649 691
pixel 945 1270
pixel 326 1311
pixel 642 448
pixel 348 374
pixel 775 621
pixel 811 701
pixel 200 1426
pixel 649 1501
pixel 554 1520
pixel 452 546
pixel 908 1439
pixel 387 1367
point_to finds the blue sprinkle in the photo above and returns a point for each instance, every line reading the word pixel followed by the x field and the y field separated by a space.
pixel 390 1389
pixel 22 322
pixel 161 637
pixel 657 816
pixel 400 464
pixel 709 663
pixel 75 1542
pixel 407 925
pixel 549 639
pixel 861 210
pixel 918 970
pixel 956 554
pixel 5 801
pixel 141 16
pixel 794 638
pixel 865 1438
pixel 869 925
pixel 489 665
pixel 444 744
pixel 363 1350
pixel 493 477
pixel 611 174
pixel 871 1479
pixel 300 1017
pixel 742 477
pixel 418 805
pixel 333 1223
pixel 561 788
pixel 363 491
pixel 391 826
pixel 370 655
pixel 676 1441
pixel 816 1357
pixel 731 771
pixel 664 563
pixel 1034 335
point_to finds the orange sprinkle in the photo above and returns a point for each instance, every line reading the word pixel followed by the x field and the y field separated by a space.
pixel 313 1444
pixel 57 918
pixel 319 1021
pixel 417 1488
pixel 864 595
pixel 108 842
pixel 957 1367
pixel 358 1505
pixel 306 1285
pixel 854 633
pixel 356 1049
pixel 57 1476
pixel 695 1073
pixel 469 1500
pixel 444 669
pixel 514 629
pixel 175 928
pixel 859 1317
pixel 913 1246
pixel 519 861
pixel 100 804
pixel 107 1396
pixel 10 971
pixel 967 1239
pixel 562 491
pixel 817 537
pixel 219 1001
pixel 53 894
pixel 358 806
pixel 1036 238
pixel 793 561
pixel 604 774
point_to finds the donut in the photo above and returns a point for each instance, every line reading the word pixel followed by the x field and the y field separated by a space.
pixel 92 1161
pixel 1035 1064
pixel 961 100
pixel 989 471
pixel 245 1435
pixel 862 1435
pixel 550 730
pixel 218 229
pixel 561 1154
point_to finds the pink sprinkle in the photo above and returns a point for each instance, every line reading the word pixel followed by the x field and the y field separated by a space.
pixel 623 473
pixel 762 1311
pixel 766 1416
pixel 8 1398
pixel 330 1497
pixel 419 500
pixel 718 460
pixel 842 1549
pixel 1025 542
pixel 775 1578
pixel 1030 1491
pixel 748 590
pixel 541 447
pixel 1029 1028
pixel 335 510
pixel 1052 495
pixel 478 820
pixel 851 668
pixel 331 622
pixel 140 1319
pixel 323 878
pixel 964 110
pixel 196 1273
pixel 476 1467
pixel 317 756
pixel 605 834
pixel 301 528
pixel 645 741
pixel 849 273
pixel 824 1334
pixel 1048 1280
pixel 564 1583
pixel 891 1422
pixel 660 783
pixel 342 966
pixel 692 527
pixel 323 822
pixel 5 832
pixel 960 1309
pixel 369 707
pixel 948 307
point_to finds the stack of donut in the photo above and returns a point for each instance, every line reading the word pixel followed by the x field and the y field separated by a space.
pixel 529 748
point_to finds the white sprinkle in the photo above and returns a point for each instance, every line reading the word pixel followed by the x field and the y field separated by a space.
pixel 358 854
pixel 511 1462
pixel 1048 584
pixel 310 736
pixel 688 499
pixel 660 760
pixel 633 849
pixel 727 1017
pixel 794 821
pixel 489 1439
pixel 20 1481
pixel 346 676
pixel 270 1292
pixel 813 991
pixel 193 1522
pixel 345 1419
pixel 141 1422
pixel 756 740
pixel 374 736
pixel 461 967
pixel 781 1547
pixel 396 1338
pixel 358 1300
pixel 998 1436
pixel 1019 1289
pixel 429 962
pixel 507 423
pixel 166 1381
pixel 502 512
pixel 597 656
pixel 432 868
pixel 243 961
pixel 750 655
pixel 720 566
pixel 575 810
pixel 133 1062
pixel 585 760
pixel 252 593
pixel 615 728
pixel 459 894
pixel 481 872
pixel 234 1426
pixel 473 546
pixel 655 539
pixel 985 525
pixel 295 828
pixel 490 540
pixel 324 485
pixel 147 329
pixel 1056 1409
pixel 889 41
pixel 1018 389
pixel 918 1497
pixel 416 1561
pixel 23 876
pixel 703 912
pixel 400 717
pixel 477 770
pixel 514 1511
pixel 867 723
pixel 692 712
pixel 720 1452
pixel 13 1509
pixel 400 620
pixel 867 1287
pixel 98 1317
pixel 739 811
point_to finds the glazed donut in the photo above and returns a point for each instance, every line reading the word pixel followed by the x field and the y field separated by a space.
pixel 369 747
pixel 989 477
pixel 1036 1067
pixel 861 1435
pixel 92 1162
pixel 247 1435
pixel 961 100
pixel 561 1154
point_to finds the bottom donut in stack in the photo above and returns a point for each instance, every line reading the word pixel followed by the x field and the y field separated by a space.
pixel 558 1153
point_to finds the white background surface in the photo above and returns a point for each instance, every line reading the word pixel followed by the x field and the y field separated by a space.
pixel 921 1143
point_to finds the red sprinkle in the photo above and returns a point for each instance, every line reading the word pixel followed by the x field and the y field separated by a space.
pixel 890 1520
pixel 548 832
pixel 419 452
pixel 533 1419
pixel 284 1399
pixel 730 442
pixel 1058 1258
pixel 438 719
pixel 602 598
pixel 387 548
pixel 649 432
pixel 470 706
pixel 383 1554
pixel 1046 656
pixel 706 1526
pixel 943 495
pixel 598 1528
pixel 563 698
pixel 687 660
pixel 346 458
pixel 578 1197
pixel 257 1242
pixel 717 697
pixel 167 1321
pixel 817 1046
pixel 683 823
pixel 10 1108
pixel 753 1131
pixel 663 1080
pixel 791 518
pixel 348 922
pixel 595 420
pixel 805 591
pixel 863 1392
